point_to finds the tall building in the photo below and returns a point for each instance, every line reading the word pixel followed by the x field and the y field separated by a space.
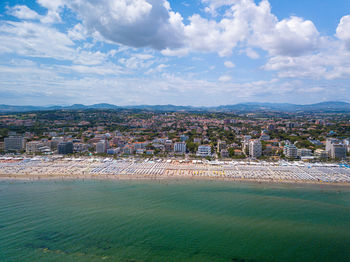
pixel 221 145
pixel 290 151
pixel 64 148
pixel 204 150
pixel 329 142
pixel 338 151
pixel 335 148
pixel 101 147
pixel 168 145
pixel 14 143
pixel 180 147
pixel 255 148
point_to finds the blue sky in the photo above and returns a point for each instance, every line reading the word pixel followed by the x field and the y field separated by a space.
pixel 201 53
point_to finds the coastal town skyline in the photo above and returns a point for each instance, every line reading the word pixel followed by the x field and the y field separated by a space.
pixel 203 53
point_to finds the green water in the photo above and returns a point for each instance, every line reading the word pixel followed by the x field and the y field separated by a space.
pixel 172 221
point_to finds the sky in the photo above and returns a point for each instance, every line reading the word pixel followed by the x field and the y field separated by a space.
pixel 157 52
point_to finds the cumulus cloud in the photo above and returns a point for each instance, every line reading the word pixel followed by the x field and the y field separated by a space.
pixel 255 26
pixel 152 23
pixel 291 37
pixel 343 31
pixel 137 23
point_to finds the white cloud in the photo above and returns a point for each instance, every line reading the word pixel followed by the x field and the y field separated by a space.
pixel 137 23
pixel 343 31
pixel 34 39
pixel 251 53
pixel 225 78
pixel 78 32
pixel 290 37
pixel 329 63
pixel 137 61
pixel 53 7
pixel 229 64
pixel 23 12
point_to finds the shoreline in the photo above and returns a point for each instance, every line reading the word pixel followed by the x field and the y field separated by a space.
pixel 112 177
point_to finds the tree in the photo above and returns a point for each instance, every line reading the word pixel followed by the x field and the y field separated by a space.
pixel 192 147
pixel 231 152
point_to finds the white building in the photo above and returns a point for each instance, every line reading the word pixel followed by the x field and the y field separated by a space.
pixel 204 150
pixel 304 152
pixel 329 142
pixel 335 148
pixel 34 147
pixel 255 148
pixel 180 147
pixel 290 151
pixel 321 153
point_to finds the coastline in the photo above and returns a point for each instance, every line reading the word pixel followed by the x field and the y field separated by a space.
pixel 113 177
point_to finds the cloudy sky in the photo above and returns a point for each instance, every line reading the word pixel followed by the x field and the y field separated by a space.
pixel 198 52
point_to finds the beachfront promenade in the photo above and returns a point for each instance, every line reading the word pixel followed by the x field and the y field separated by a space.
pixel 129 168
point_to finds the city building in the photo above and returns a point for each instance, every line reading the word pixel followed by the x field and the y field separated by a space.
pixel 14 143
pixel 53 143
pixel 64 148
pixel 255 148
pixel 101 147
pixel 329 142
pixel 197 140
pixel 204 151
pixel 264 137
pixel 335 148
pixel 304 152
pixel 168 145
pixel 180 147
pixel 81 147
pixel 224 153
pixel 338 151
pixel 320 153
pixel 183 138
pixel 33 147
pixel 221 145
pixel 290 151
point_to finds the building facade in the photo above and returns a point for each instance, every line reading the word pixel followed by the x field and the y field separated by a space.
pixel 65 148
pixel 14 143
pixel 180 147
pixel 255 148
pixel 204 151
pixel 290 151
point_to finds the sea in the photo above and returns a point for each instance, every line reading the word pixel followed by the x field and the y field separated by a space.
pixel 173 220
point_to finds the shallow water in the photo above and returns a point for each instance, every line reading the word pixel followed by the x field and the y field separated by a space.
pixel 173 221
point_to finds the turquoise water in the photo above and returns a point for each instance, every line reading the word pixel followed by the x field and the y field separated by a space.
pixel 172 221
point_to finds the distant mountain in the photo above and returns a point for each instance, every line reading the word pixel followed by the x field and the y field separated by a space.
pixel 332 106
pixel 163 108
pixel 285 107
pixel 8 108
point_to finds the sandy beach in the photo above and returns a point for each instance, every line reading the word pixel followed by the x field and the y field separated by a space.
pixel 36 169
